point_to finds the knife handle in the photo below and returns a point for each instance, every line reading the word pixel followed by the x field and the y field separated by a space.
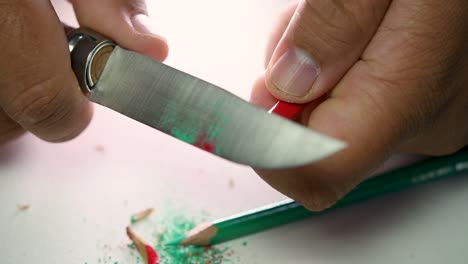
pixel 89 53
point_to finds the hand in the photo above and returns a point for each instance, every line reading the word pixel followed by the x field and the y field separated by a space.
pixel 39 92
pixel 384 76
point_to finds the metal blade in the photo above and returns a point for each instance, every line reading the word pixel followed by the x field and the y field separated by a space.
pixel 204 115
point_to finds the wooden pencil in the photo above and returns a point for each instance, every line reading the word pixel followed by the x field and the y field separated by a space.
pixel 289 211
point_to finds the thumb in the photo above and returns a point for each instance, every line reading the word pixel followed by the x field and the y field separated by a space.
pixel 322 41
pixel 126 22
pixel 39 91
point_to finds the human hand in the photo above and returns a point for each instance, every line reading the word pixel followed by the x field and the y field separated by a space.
pixel 39 91
pixel 383 76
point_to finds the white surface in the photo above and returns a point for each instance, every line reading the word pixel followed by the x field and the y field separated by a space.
pixel 81 198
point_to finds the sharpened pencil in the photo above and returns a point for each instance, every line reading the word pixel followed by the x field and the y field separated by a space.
pixel 288 211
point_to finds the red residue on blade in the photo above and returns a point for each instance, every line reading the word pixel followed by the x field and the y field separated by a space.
pixel 204 144
pixel 208 147
pixel 153 257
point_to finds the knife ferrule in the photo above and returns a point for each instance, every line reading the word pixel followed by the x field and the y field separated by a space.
pixel 89 53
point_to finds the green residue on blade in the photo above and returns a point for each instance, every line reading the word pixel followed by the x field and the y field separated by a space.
pixel 244 243
pixel 183 135
pixel 169 122
pixel 167 119
pixel 216 130
pixel 217 150
pixel 213 131
pixel 218 122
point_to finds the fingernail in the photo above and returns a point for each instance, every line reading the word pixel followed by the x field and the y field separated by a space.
pixel 142 23
pixel 294 72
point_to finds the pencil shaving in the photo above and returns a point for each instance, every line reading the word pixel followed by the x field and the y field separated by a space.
pixel 99 148
pixel 147 253
pixel 141 215
pixel 231 183
pixel 23 207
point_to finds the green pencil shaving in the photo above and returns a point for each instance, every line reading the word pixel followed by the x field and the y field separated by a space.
pixel 288 211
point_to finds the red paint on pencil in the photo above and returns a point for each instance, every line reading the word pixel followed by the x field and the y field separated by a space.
pixel 286 110
pixel 147 252
pixel 153 257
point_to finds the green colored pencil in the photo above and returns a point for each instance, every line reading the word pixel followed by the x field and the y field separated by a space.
pixel 289 211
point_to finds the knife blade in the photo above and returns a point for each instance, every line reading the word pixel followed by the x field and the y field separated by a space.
pixel 190 109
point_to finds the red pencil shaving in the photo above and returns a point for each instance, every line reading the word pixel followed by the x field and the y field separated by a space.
pixel 147 253
pixel 141 215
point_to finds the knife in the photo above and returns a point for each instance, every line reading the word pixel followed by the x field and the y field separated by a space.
pixel 190 109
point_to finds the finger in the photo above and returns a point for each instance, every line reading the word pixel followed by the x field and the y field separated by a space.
pixel 278 30
pixel 260 96
pixel 322 41
pixel 38 88
pixel 9 129
pixel 364 121
pixel 125 21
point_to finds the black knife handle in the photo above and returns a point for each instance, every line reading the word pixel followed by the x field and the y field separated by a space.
pixel 89 53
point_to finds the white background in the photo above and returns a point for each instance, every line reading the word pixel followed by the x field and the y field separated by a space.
pixel 81 198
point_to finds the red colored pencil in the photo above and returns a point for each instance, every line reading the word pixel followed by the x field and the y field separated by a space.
pixel 286 110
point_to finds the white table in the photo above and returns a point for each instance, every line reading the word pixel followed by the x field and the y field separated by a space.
pixel 81 197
